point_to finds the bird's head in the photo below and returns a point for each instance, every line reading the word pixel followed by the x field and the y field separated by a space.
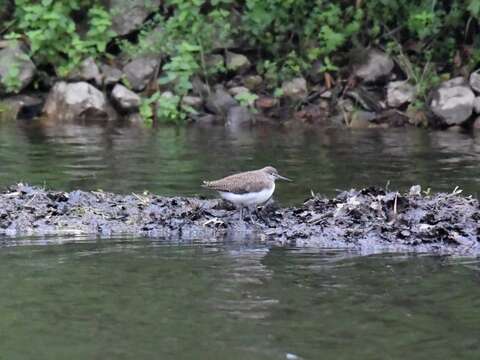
pixel 273 173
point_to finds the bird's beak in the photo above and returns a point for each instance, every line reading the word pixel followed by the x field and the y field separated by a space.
pixel 283 177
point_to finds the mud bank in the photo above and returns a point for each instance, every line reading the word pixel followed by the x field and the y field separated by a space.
pixel 369 220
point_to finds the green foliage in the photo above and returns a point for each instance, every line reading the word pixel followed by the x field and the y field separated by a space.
pixel 247 99
pixel 53 35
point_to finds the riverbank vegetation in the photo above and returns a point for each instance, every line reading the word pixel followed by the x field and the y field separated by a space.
pixel 256 46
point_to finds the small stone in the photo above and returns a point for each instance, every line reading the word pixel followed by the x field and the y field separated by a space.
pixel 475 80
pixel 220 101
pixel 266 102
pixel 238 115
pixel 194 102
pixel 126 99
pixel 214 61
pixel 400 93
pixel 87 70
pixel 139 72
pixel 377 65
pixel 295 89
pixel 111 75
pixel 236 90
pixel 237 62
pixel 252 82
pixel 415 190
pixel 452 102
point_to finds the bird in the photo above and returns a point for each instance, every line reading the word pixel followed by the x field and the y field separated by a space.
pixel 247 189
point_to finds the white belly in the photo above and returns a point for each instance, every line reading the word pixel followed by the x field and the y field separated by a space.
pixel 248 199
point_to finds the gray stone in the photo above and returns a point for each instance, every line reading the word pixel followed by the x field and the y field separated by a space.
pixel 377 65
pixel 236 90
pixel 252 82
pixel 475 80
pixel 238 115
pixel 194 102
pixel 87 70
pixel 128 16
pixel 72 101
pixel 15 63
pixel 140 71
pixel 452 102
pixel 126 99
pixel 400 93
pixel 237 62
pixel 295 89
pixel 111 75
pixel 220 101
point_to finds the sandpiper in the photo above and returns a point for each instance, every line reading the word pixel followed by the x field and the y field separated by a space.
pixel 247 189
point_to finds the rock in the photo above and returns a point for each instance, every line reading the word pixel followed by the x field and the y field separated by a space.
pixel 252 82
pixel 16 68
pixel 128 16
pixel 266 102
pixel 194 102
pixel 140 71
pixel 295 89
pixel 214 61
pixel 200 88
pixel 361 119
pixel 111 75
pixel 220 101
pixel 452 102
pixel 125 99
pixel 87 71
pixel 237 62
pixel 400 93
pixel 476 105
pixel 238 115
pixel 68 102
pixel 23 106
pixel 475 80
pixel 377 65
pixel 236 90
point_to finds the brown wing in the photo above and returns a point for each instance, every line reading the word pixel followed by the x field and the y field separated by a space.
pixel 237 184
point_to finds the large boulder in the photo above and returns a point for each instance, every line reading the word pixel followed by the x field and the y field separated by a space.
pixel 125 99
pixel 16 68
pixel 373 66
pixel 400 93
pixel 139 71
pixel 81 100
pixel 128 16
pixel 452 102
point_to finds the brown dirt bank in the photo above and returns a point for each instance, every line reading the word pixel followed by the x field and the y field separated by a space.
pixel 370 220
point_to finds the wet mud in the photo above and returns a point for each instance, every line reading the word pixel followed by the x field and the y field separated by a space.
pixel 370 220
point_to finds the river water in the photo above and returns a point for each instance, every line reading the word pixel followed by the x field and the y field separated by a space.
pixel 131 298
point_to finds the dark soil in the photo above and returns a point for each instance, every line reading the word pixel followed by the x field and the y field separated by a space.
pixel 371 220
